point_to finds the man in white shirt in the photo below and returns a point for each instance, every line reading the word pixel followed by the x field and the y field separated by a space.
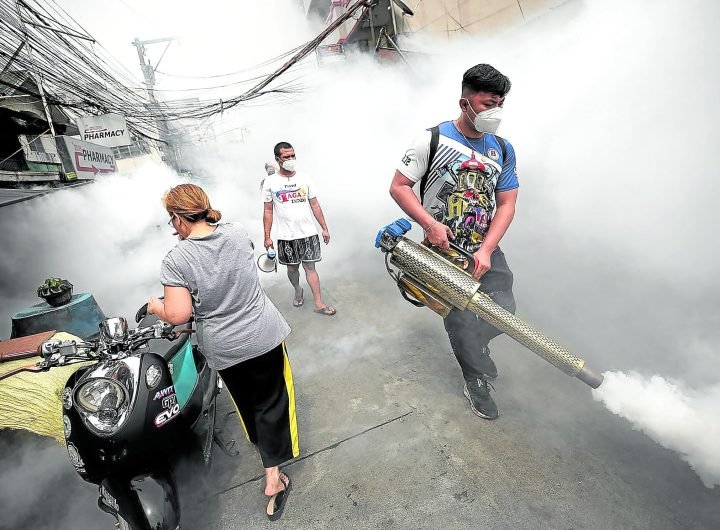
pixel 290 197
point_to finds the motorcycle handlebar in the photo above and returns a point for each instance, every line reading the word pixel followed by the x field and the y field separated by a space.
pixel 159 330
pixel 141 313
pixel 63 347
pixel 61 353
pixel 71 348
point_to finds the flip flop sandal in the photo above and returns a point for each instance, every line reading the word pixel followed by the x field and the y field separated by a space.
pixel 327 310
pixel 297 302
pixel 278 501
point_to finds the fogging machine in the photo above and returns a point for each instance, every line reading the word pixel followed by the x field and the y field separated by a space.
pixel 441 279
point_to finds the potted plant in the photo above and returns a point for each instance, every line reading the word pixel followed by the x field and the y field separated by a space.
pixel 56 291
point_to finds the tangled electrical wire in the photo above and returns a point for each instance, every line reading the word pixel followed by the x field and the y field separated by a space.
pixel 79 75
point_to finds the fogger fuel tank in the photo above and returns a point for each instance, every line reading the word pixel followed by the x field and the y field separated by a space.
pixel 428 278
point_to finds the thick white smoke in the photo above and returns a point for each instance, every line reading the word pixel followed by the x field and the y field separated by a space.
pixel 614 246
pixel 683 419
pixel 106 238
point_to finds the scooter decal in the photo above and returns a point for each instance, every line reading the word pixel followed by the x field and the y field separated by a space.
pixel 164 392
pixel 67 400
pixel 152 376
pixel 109 499
pixel 172 409
pixel 75 458
pixel 67 428
pixel 169 402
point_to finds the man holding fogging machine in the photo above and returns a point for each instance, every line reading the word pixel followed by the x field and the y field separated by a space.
pixel 468 187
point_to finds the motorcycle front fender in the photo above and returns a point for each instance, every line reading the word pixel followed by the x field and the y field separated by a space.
pixel 143 502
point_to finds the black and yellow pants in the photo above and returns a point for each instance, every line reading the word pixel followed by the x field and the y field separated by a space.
pixel 263 392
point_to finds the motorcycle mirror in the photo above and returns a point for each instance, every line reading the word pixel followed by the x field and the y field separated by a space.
pixel 141 313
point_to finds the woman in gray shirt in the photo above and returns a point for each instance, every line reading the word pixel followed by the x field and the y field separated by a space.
pixel 211 273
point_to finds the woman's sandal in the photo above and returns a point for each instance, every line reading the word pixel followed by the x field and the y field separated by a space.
pixel 327 310
pixel 297 302
pixel 277 502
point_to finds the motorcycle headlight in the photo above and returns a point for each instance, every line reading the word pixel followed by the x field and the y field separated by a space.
pixel 105 395
pixel 101 401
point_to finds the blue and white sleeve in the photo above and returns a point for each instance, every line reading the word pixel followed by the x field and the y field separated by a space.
pixel 508 179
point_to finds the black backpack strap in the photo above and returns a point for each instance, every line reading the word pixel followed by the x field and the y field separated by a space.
pixel 434 140
pixel 503 147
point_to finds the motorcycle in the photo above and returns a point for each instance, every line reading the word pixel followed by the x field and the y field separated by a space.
pixel 147 401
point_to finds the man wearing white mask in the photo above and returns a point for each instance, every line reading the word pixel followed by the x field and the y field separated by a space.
pixel 291 198
pixel 467 186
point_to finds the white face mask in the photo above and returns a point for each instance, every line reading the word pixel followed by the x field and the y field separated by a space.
pixel 289 165
pixel 487 121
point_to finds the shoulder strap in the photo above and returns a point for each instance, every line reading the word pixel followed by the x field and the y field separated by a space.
pixel 434 139
pixel 503 147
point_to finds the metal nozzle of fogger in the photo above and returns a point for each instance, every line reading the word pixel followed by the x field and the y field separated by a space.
pixel 438 281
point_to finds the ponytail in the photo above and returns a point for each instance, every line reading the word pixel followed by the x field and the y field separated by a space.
pixel 213 216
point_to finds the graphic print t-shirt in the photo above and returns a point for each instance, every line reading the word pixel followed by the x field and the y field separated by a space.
pixel 291 196
pixel 462 182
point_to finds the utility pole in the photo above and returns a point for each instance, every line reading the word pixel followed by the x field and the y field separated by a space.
pixel 167 147
pixel 35 75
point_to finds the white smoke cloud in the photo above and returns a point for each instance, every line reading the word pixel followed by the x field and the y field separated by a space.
pixel 613 247
pixel 107 238
pixel 683 419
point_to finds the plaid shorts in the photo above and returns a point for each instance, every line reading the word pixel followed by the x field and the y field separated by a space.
pixel 296 250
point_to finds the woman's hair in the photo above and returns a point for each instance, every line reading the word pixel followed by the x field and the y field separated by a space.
pixel 191 203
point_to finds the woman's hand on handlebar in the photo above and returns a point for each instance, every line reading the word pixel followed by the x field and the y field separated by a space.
pixel 155 306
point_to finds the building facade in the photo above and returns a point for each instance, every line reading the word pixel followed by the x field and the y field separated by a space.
pixel 388 23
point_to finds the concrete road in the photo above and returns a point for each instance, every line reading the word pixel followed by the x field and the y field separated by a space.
pixel 388 441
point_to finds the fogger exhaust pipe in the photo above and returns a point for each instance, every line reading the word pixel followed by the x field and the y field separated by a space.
pixel 455 286
pixel 484 306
